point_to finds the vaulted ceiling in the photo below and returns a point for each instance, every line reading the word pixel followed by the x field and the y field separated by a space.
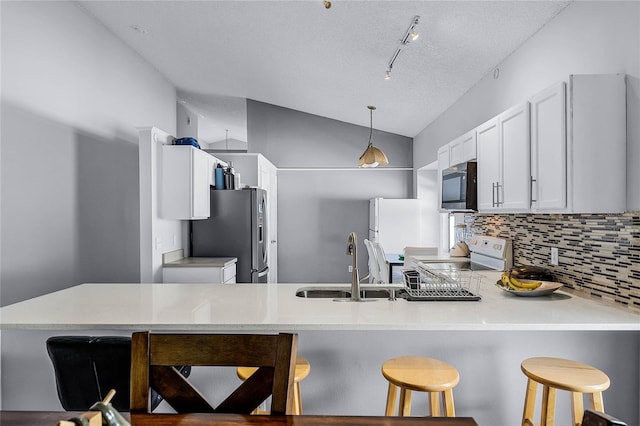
pixel 326 61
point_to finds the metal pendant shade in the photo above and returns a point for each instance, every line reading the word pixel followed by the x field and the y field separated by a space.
pixel 372 156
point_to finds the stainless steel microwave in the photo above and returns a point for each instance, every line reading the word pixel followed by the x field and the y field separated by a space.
pixel 459 187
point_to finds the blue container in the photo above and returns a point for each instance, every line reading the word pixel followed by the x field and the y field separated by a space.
pixel 219 177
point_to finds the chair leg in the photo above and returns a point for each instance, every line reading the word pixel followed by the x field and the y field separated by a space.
pixel 449 408
pixel 548 406
pixel 577 408
pixel 391 399
pixel 529 403
pixel 404 408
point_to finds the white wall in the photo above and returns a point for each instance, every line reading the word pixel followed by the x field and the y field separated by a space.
pixel 72 96
pixel 586 38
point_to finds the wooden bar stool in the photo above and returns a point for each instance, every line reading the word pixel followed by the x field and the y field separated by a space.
pixel 563 374
pixel 302 370
pixel 416 373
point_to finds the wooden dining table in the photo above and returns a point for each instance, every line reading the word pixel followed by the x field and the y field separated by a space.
pixel 49 418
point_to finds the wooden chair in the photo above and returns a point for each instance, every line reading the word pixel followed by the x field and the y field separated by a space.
pixel 154 354
pixel 597 418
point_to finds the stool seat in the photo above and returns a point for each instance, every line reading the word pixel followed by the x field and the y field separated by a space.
pixel 562 374
pixel 302 370
pixel 416 373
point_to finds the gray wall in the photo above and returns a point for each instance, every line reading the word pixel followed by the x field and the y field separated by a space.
pixel 322 196
pixel 586 38
pixel 72 96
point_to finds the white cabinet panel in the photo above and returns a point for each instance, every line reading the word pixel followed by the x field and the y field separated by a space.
pixel 516 176
pixel 184 192
pixel 463 148
pixel 503 161
pixel 597 143
pixel 549 149
pixel 489 164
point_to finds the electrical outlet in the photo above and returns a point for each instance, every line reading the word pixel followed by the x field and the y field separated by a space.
pixel 554 256
pixel 350 268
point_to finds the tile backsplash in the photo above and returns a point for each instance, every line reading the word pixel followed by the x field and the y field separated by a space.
pixel 599 254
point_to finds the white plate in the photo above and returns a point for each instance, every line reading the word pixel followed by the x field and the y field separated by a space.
pixel 547 287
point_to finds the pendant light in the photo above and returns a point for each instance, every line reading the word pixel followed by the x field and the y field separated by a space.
pixel 372 156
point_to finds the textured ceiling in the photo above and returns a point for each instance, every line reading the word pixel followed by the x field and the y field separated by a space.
pixel 329 62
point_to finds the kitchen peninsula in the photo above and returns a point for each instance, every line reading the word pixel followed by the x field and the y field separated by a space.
pixel 346 343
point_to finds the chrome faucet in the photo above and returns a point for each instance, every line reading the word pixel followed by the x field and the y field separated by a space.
pixel 352 249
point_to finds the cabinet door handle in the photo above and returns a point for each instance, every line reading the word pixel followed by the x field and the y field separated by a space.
pixel 531 190
pixel 493 194
pixel 498 202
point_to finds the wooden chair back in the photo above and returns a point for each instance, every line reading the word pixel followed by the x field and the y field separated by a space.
pixel 597 418
pixel 153 356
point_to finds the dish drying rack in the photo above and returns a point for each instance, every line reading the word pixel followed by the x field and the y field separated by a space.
pixel 430 284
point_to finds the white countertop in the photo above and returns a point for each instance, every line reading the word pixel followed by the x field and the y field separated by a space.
pixel 201 262
pixel 274 307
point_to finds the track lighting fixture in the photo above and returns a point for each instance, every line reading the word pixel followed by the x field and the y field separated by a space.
pixel 372 156
pixel 410 35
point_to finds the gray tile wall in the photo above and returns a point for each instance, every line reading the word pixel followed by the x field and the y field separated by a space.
pixel 598 254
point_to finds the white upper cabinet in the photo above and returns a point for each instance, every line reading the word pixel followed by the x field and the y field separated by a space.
pixel 463 149
pixel 597 144
pixel 504 161
pixel 186 175
pixel 515 188
pixel 549 149
pixel 578 148
pixel 489 164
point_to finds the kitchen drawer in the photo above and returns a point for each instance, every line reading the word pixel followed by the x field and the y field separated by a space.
pixel 229 274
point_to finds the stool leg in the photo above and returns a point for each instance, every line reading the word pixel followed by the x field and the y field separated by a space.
pixel 391 399
pixel 596 401
pixel 297 405
pixel 529 403
pixel 577 408
pixel 404 409
pixel 548 406
pixel 434 404
pixel 449 408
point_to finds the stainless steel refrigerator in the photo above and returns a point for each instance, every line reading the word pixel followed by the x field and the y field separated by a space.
pixel 237 227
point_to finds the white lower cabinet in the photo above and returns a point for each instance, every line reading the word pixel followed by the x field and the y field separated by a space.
pixel 504 161
pixel 203 270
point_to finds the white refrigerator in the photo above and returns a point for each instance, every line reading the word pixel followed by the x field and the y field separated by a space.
pixel 400 223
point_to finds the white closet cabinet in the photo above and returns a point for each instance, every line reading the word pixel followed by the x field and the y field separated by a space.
pixel 503 151
pixel 186 175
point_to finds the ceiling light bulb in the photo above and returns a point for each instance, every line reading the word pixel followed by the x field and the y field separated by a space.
pixel 387 75
pixel 415 35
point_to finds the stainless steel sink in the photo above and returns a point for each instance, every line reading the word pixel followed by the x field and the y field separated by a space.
pixel 342 293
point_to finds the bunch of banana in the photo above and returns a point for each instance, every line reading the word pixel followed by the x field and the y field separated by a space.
pixel 515 285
